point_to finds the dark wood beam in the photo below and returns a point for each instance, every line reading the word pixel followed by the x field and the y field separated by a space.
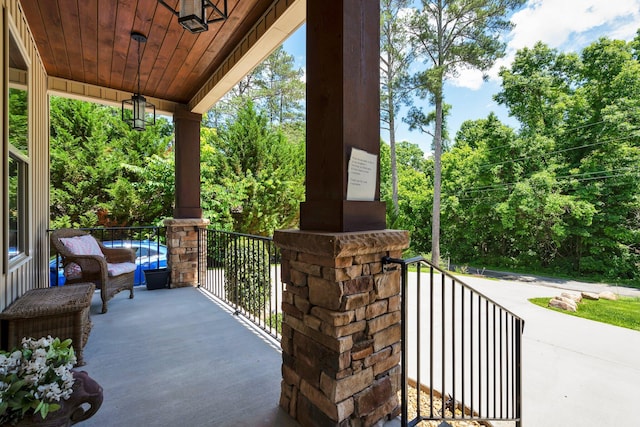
pixel 187 164
pixel 343 112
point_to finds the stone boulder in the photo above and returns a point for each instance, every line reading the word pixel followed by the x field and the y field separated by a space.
pixel 591 296
pixel 572 296
pixel 563 303
pixel 608 295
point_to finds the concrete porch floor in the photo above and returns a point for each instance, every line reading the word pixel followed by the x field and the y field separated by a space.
pixel 174 357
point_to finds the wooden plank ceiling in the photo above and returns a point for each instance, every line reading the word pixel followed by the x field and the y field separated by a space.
pixel 89 41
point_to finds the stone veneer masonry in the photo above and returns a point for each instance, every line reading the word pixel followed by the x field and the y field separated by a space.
pixel 182 242
pixel 341 330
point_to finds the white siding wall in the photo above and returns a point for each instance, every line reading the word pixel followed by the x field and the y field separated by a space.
pixel 32 272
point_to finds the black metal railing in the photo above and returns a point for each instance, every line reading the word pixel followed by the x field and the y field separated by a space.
pixel 242 271
pixel 461 350
pixel 148 241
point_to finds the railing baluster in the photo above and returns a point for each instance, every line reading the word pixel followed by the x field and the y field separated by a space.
pixel 241 271
pixel 479 355
pixel 462 350
pixel 418 341
pixel 492 350
pixel 471 353
pixel 431 337
pixel 443 343
pixel 453 346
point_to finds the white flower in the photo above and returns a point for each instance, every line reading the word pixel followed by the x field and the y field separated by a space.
pixel 40 362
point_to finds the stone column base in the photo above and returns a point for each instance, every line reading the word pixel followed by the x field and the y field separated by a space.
pixel 182 243
pixel 341 329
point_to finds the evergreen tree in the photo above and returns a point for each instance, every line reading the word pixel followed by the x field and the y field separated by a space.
pixel 448 35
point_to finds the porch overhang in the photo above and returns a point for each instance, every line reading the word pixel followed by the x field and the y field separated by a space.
pixel 211 63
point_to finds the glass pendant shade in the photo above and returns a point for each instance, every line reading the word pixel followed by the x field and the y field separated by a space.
pixel 138 104
pixel 193 16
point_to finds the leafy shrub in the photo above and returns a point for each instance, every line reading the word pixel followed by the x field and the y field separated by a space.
pixel 275 321
pixel 247 283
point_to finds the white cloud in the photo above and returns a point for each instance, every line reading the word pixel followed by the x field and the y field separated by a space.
pixel 468 78
pixel 554 22
pixel 566 25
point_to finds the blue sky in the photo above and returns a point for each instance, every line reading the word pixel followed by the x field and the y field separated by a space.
pixel 566 25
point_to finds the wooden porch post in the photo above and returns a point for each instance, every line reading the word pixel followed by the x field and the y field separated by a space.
pixel 341 325
pixel 183 229
pixel 343 112
pixel 187 164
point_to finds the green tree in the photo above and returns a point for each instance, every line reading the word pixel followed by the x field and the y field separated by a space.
pixel 281 88
pixel 563 193
pixel 93 161
pixel 148 195
pixel 254 172
pixel 449 35
pixel 18 119
pixel 414 189
pixel 395 59
pixel 536 87
pixel 274 86
pixel 477 175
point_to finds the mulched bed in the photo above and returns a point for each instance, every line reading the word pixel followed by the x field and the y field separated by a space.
pixel 425 408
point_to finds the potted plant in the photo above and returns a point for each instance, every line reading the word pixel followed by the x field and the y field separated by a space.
pixel 39 387
pixel 157 278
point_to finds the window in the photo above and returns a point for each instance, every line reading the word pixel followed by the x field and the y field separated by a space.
pixel 18 162
pixel 17 206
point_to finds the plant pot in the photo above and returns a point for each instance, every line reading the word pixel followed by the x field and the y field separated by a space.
pixel 157 278
pixel 84 402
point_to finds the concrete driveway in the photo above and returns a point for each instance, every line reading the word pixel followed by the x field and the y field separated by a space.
pixel 576 372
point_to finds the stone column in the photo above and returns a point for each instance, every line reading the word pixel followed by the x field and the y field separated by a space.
pixel 341 330
pixel 182 242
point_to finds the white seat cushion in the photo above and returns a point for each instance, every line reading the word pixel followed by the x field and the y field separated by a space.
pixel 121 268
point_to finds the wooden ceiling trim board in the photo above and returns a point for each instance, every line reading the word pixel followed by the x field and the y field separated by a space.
pixel 209 42
pixel 143 24
pixel 89 39
pixel 215 45
pixel 168 41
pixel 186 66
pixel 101 95
pixel 71 35
pixel 41 41
pixel 53 27
pixel 250 52
pixel 124 62
pixel 89 42
pixel 180 53
pixel 227 46
pixel 106 32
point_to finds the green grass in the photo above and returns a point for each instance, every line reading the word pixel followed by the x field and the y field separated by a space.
pixel 624 312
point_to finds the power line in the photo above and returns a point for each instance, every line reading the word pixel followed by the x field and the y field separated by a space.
pixel 564 150
pixel 558 177
pixel 565 178
pixel 563 130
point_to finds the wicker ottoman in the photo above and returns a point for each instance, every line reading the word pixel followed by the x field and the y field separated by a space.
pixel 61 312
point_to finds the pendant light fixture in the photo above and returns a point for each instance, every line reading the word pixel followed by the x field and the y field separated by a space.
pixel 192 14
pixel 138 103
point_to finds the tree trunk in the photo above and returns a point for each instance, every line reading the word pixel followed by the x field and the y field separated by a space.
pixel 437 183
pixel 394 166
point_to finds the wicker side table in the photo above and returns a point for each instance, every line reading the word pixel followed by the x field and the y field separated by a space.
pixel 61 312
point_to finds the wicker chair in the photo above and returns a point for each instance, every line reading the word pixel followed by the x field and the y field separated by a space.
pixel 110 270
